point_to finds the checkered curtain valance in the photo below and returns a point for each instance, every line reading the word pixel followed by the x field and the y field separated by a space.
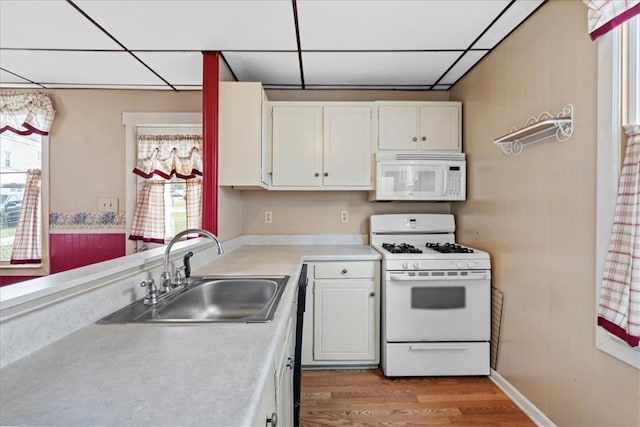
pixel 605 15
pixel 169 155
pixel 26 113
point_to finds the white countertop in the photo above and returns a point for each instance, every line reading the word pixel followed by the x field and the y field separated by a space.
pixel 159 374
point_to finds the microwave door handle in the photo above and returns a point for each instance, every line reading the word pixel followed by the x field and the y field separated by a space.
pixel 445 178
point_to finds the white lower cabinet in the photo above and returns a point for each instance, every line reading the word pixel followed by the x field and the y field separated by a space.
pixel 267 408
pixel 284 377
pixel 342 322
pixel 276 406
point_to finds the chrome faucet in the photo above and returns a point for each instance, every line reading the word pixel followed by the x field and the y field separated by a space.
pixel 168 280
pixel 181 276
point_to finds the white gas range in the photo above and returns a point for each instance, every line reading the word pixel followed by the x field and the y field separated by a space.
pixel 436 297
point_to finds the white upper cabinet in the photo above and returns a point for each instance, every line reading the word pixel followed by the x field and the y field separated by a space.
pixel 347 146
pixel 320 146
pixel 297 146
pixel 419 126
pixel 242 149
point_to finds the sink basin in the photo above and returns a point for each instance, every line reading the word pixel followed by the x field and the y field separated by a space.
pixel 210 299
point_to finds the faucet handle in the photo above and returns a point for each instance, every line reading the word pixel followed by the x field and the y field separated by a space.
pixel 151 283
pixel 152 292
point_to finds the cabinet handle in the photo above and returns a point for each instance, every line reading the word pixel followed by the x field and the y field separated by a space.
pixel 424 138
pixel 326 174
pixel 316 174
pixel 344 271
pixel 372 294
pixel 415 138
pixel 273 420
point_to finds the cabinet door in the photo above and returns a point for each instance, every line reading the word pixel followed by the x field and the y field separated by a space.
pixel 440 128
pixel 297 146
pixel 398 127
pixel 240 133
pixel 344 314
pixel 347 146
pixel 284 380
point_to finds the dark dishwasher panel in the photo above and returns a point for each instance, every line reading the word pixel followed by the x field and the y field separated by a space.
pixel 297 363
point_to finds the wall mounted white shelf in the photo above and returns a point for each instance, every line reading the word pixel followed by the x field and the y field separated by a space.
pixel 537 129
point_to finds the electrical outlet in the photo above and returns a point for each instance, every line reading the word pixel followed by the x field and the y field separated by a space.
pixel 108 204
pixel 268 217
pixel 344 216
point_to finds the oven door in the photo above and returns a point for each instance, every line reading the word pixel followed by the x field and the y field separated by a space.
pixel 437 305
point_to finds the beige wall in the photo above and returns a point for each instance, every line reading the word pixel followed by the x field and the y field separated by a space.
pixel 87 149
pixel 319 212
pixel 535 215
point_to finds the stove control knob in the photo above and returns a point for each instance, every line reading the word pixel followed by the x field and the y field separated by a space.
pixel 472 264
pixel 460 264
pixel 416 265
pixel 405 265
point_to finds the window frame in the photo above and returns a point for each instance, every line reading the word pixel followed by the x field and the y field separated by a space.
pixel 41 269
pixel 610 116
pixel 132 121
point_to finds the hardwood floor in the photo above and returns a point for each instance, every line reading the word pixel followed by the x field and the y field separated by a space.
pixel 368 398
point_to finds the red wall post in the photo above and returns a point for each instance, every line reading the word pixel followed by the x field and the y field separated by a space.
pixel 210 78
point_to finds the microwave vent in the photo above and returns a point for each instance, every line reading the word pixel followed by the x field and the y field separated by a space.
pixel 421 156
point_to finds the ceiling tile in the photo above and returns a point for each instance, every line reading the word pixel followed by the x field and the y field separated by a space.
pixel 8 78
pixel 178 68
pixel 197 25
pixel 379 68
pixel 518 11
pixel 271 68
pixel 77 68
pixel 394 24
pixel 467 61
pixel 48 24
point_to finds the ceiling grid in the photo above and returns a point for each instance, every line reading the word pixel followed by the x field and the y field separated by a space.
pixel 289 44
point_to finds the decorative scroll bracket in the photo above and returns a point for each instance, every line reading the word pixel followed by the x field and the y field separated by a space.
pixel 537 129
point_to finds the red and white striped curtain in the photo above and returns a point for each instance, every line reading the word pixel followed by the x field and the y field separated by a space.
pixel 605 15
pixel 148 219
pixel 166 156
pixel 193 198
pixel 27 244
pixel 619 305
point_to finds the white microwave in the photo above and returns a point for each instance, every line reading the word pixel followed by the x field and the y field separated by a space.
pixel 420 177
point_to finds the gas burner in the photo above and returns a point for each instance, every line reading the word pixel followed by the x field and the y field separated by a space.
pixel 449 248
pixel 401 248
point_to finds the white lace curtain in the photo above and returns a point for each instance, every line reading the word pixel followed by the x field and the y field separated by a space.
pixel 27 244
pixel 605 15
pixel 619 305
pixel 26 113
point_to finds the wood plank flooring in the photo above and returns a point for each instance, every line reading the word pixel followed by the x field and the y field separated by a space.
pixel 368 398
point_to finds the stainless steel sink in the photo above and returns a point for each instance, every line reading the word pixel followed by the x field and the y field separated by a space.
pixel 210 299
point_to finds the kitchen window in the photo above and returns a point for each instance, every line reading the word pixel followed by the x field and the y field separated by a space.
pixel 20 154
pixel 174 191
pixel 619 103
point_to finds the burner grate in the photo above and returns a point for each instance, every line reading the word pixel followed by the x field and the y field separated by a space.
pixel 449 248
pixel 401 248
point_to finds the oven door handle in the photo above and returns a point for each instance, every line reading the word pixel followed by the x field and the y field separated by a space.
pixel 483 275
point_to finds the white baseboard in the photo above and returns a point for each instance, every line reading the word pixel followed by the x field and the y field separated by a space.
pixel 536 415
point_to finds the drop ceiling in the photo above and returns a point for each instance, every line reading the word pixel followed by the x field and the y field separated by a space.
pixel 288 44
